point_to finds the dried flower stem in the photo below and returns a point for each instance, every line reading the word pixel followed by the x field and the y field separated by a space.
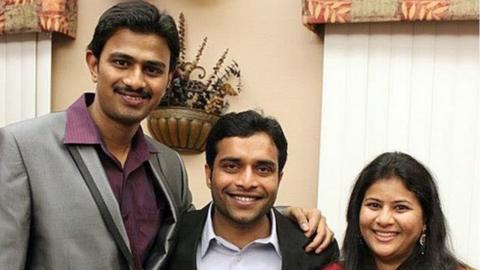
pixel 231 70
pixel 187 88
pixel 181 35
pixel 200 52
pixel 197 57
pixel 217 67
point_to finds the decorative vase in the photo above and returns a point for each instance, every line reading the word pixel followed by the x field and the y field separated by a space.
pixel 183 129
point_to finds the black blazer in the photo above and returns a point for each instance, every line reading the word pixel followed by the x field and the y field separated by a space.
pixel 291 240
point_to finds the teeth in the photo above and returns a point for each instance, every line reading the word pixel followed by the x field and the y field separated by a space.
pixel 134 98
pixel 244 199
pixel 385 234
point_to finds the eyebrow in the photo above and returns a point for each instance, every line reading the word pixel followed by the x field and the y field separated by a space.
pixel 238 160
pixel 396 201
pixel 266 162
pixel 150 63
pixel 155 64
pixel 120 55
pixel 371 199
pixel 230 159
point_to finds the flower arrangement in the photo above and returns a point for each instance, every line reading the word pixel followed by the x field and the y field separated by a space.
pixel 188 87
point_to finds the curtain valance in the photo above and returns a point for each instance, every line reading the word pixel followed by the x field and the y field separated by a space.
pixel 353 11
pixel 19 16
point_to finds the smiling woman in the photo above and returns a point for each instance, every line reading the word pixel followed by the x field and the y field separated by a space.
pixel 395 219
pixel 391 220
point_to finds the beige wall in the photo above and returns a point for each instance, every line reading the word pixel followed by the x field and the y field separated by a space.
pixel 281 64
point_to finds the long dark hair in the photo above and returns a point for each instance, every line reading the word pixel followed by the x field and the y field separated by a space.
pixel 417 179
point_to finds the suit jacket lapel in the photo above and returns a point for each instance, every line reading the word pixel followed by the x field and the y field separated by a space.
pixel 161 181
pixel 189 236
pixel 195 227
pixel 165 238
pixel 94 166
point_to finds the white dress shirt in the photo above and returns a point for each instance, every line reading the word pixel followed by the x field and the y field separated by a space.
pixel 214 252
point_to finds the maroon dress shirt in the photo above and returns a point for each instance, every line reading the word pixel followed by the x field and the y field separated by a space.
pixel 141 204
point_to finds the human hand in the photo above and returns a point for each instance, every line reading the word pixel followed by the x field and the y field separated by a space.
pixel 311 221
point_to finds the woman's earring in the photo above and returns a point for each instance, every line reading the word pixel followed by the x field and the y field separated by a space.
pixel 423 239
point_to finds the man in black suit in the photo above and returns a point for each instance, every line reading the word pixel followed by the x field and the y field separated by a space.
pixel 240 229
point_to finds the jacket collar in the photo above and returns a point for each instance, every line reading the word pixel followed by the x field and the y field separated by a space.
pixel 209 235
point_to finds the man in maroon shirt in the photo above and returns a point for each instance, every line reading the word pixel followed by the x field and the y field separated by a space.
pixel 85 188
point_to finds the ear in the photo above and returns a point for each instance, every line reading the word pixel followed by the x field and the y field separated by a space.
pixel 208 176
pixel 92 63
pixel 280 176
pixel 170 77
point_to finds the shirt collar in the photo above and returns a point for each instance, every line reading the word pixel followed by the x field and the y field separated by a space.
pixel 208 234
pixel 81 129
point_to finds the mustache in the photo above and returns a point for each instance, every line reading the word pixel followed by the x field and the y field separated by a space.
pixel 127 90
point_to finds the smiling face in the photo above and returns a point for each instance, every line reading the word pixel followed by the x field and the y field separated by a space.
pixel 131 75
pixel 391 220
pixel 244 180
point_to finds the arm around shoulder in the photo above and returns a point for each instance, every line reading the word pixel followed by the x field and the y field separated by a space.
pixel 15 204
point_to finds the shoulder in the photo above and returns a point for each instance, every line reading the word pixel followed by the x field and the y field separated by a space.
pixel 193 218
pixel 194 214
pixel 333 266
pixel 48 128
pixel 190 225
pixel 292 242
pixel 187 236
pixel 161 148
pixel 43 123
pixel 170 160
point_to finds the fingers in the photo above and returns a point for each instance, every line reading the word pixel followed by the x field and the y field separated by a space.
pixel 320 229
pixel 314 222
pixel 327 240
pixel 298 214
pixel 322 239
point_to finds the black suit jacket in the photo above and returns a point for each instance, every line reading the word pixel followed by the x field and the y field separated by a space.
pixel 291 240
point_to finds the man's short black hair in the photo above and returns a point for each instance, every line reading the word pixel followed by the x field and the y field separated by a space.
pixel 245 124
pixel 140 17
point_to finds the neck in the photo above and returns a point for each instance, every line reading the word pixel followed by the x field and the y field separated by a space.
pixel 240 234
pixel 117 137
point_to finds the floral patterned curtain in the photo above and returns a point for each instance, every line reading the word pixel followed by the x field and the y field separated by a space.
pixel 352 11
pixel 17 16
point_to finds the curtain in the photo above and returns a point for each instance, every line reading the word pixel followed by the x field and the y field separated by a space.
pixel 20 16
pixel 352 11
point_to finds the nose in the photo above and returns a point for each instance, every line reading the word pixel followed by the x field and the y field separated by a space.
pixel 135 78
pixel 247 179
pixel 385 217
